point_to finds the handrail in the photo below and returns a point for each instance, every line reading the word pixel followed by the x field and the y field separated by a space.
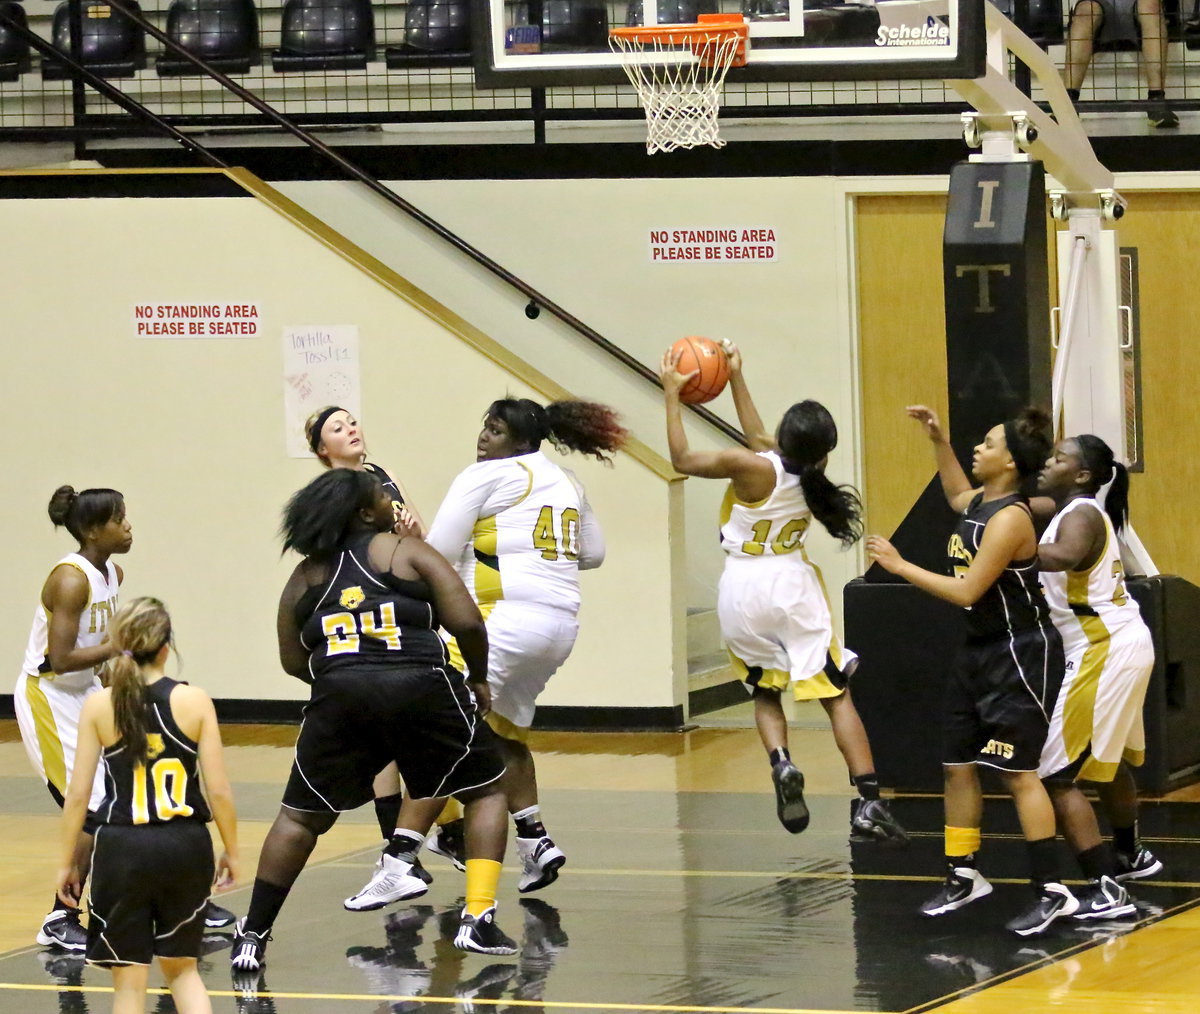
pixel 538 301
pixel 111 92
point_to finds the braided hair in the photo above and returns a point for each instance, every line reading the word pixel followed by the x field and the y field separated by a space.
pixel 582 426
pixel 1097 457
pixel 807 433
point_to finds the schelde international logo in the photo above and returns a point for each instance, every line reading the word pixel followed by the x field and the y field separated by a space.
pixel 917 32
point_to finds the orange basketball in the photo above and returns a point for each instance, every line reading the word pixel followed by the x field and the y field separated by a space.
pixel 708 357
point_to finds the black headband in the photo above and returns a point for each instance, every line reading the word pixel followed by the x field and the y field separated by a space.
pixel 314 435
pixel 1027 458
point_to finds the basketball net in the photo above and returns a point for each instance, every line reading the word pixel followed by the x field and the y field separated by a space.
pixel 678 72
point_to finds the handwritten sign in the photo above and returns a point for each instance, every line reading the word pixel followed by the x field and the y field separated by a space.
pixel 320 367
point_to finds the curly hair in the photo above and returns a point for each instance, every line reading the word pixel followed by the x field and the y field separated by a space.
pixel 581 426
pixel 319 518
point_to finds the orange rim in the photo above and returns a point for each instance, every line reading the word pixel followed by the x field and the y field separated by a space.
pixel 708 30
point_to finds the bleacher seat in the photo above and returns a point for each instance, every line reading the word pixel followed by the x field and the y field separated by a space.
pixel 112 45
pixel 14 50
pixel 436 33
pixel 570 24
pixel 325 35
pixel 223 33
pixel 671 12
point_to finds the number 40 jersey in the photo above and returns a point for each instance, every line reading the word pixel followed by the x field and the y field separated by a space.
pixel 519 529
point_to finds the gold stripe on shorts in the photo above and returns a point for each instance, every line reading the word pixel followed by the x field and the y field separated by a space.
pixel 54 762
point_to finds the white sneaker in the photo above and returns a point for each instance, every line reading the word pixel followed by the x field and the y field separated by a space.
pixel 541 860
pixel 393 880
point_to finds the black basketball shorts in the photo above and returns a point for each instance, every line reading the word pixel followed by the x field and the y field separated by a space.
pixel 149 887
pixel 357 722
pixel 1000 697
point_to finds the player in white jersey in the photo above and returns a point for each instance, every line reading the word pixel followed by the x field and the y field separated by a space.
pixel 771 602
pixel 1096 727
pixel 67 648
pixel 518 528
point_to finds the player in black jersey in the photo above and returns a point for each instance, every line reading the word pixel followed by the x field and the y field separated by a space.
pixel 1006 680
pixel 358 619
pixel 152 865
pixel 335 436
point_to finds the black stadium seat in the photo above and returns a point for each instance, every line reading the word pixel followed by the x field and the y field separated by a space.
pixel 570 24
pixel 436 33
pixel 14 50
pixel 113 46
pixel 1045 19
pixel 223 33
pixel 671 12
pixel 325 35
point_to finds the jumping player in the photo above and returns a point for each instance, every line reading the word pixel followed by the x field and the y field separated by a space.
pixel 67 648
pixel 771 602
pixel 1096 728
pixel 518 528
pixel 150 738
pixel 359 618
pixel 1006 680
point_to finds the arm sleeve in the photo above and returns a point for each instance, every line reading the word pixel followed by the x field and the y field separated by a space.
pixel 591 536
pixel 463 506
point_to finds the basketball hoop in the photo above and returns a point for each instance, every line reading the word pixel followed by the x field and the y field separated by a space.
pixel 678 72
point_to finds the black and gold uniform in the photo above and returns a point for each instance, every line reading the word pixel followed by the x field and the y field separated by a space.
pixel 152 866
pixel 389 484
pixel 382 691
pixel 1006 679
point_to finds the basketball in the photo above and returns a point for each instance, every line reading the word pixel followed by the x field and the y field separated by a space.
pixel 708 357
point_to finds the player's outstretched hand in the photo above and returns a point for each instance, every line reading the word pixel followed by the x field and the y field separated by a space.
pixel 227 872
pixel 672 379
pixel 70 886
pixel 929 421
pixel 483 696
pixel 882 552
pixel 733 355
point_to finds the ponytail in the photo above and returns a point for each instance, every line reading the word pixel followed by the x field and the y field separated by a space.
pixel 138 632
pixel 581 426
pixel 838 508
pixel 1097 457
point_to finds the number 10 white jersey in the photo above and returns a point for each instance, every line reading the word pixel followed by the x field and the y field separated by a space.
pixel 519 529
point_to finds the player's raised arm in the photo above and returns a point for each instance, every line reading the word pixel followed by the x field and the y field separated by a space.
pixel 955 484
pixel 747 412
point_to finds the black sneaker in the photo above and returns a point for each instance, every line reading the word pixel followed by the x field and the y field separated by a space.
pixel 447 841
pixel 963 885
pixel 65 967
pixel 1105 899
pixel 481 934
pixel 216 917
pixel 61 929
pixel 1162 116
pixel 1055 902
pixel 486 985
pixel 873 822
pixel 789 797
pixel 249 952
pixel 1143 863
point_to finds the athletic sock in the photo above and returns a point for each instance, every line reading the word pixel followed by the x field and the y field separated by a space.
pixel 1096 862
pixel 781 755
pixel 1043 861
pixel 1156 94
pixel 387 812
pixel 265 902
pixel 483 877
pixel 529 822
pixel 867 785
pixel 962 845
pixel 404 844
pixel 1127 839
pixel 1073 94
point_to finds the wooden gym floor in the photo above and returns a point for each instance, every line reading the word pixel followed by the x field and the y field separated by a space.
pixel 681 894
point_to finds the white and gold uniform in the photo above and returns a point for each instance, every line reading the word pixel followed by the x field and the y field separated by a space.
pixel 48 704
pixel 1109 651
pixel 519 530
pixel 771 600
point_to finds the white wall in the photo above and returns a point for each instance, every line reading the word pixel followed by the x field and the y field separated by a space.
pixel 584 243
pixel 192 433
